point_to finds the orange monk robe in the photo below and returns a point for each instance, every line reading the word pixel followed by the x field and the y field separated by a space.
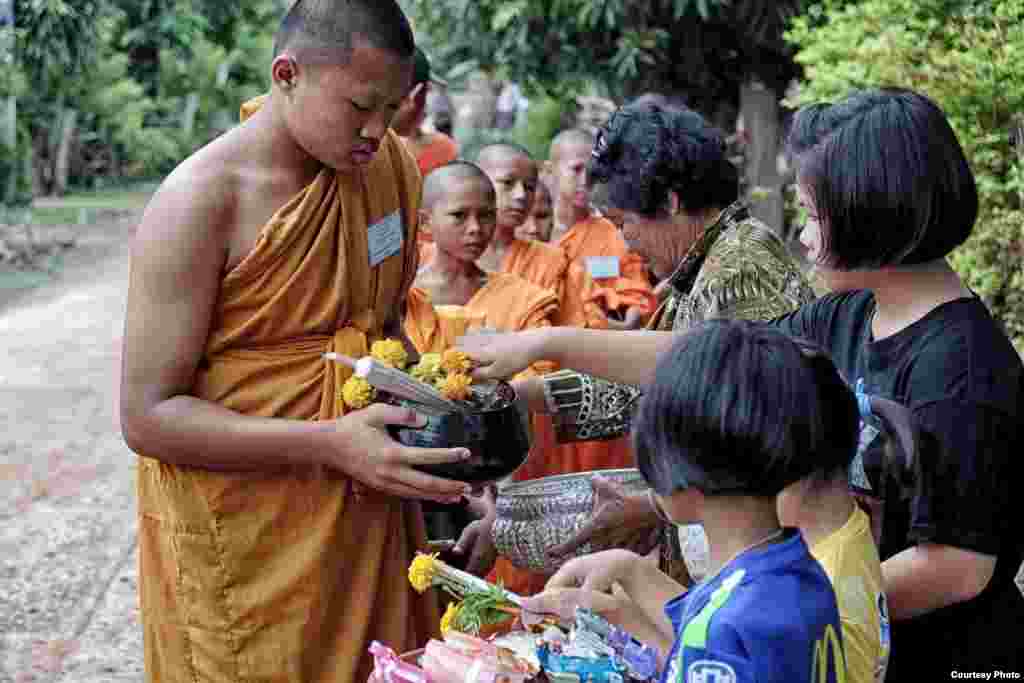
pixel 598 237
pixel 506 303
pixel 549 268
pixel 439 151
pixel 285 576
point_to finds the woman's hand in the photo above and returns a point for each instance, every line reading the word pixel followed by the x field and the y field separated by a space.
pixel 619 520
pixel 500 356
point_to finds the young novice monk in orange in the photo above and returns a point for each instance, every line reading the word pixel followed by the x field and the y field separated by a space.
pixel 450 288
pixel 515 176
pixel 540 221
pixel 592 242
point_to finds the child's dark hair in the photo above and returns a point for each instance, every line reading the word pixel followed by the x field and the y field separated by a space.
pixel 887 177
pixel 646 151
pixel 740 408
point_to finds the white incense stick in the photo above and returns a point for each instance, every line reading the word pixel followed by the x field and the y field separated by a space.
pixel 396 382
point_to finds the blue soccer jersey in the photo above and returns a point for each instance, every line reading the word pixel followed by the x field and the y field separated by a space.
pixel 769 616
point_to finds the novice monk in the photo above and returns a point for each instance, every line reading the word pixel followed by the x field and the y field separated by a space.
pixel 592 242
pixel 514 174
pixel 459 208
pixel 275 530
pixel 541 219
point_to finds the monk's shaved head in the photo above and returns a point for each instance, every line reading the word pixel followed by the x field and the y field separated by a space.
pixel 499 151
pixel 438 181
pixel 324 31
pixel 572 137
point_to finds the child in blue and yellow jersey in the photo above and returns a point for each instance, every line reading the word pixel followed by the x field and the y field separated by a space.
pixel 736 413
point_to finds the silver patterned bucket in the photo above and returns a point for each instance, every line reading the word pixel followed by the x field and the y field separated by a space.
pixel 533 516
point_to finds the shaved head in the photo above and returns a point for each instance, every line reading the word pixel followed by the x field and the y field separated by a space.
pixel 324 31
pixel 495 151
pixel 567 138
pixel 438 181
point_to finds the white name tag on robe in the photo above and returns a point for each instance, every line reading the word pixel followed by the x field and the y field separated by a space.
pixel 603 266
pixel 385 238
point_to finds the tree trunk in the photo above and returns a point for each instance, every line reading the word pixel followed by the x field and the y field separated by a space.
pixel 62 163
pixel 11 143
pixel 760 109
pixel 188 117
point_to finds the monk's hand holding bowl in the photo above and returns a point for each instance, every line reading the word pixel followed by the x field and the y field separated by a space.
pixel 361 447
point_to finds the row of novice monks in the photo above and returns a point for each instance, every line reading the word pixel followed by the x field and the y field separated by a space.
pixel 501 249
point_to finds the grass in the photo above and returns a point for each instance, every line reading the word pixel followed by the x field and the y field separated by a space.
pixel 72 208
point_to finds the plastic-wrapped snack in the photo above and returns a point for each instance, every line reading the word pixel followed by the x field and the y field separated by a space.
pixel 388 668
pixel 465 659
pixel 639 660
pixel 600 651
pixel 562 666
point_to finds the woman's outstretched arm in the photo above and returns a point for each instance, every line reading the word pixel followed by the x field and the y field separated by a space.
pixel 623 357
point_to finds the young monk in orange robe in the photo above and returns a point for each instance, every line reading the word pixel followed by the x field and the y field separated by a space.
pixel 459 208
pixel 275 530
pixel 557 458
pixel 592 242
pixel 515 176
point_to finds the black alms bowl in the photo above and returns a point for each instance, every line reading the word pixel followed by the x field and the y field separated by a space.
pixel 498 439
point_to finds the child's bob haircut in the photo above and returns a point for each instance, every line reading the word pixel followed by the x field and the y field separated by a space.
pixel 886 177
pixel 740 408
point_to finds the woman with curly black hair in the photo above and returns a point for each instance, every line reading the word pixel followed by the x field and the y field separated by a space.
pixel 661 174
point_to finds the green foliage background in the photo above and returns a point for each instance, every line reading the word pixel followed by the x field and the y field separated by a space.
pixel 127 67
pixel 967 57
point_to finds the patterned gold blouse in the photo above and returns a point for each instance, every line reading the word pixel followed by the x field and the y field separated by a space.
pixel 738 269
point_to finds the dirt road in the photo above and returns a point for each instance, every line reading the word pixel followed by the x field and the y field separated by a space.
pixel 67 517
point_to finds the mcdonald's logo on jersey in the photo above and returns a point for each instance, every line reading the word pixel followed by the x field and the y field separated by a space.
pixel 828 664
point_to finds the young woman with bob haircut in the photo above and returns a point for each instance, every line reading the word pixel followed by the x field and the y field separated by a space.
pixel 889 194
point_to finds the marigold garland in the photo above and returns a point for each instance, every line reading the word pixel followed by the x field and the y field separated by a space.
pixel 456 362
pixel 390 352
pixel 449 372
pixel 455 387
pixel 357 393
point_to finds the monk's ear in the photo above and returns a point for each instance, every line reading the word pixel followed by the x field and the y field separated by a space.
pixel 547 169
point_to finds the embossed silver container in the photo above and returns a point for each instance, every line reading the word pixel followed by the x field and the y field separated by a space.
pixel 533 516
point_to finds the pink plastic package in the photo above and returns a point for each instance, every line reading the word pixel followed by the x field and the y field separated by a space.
pixel 388 668
pixel 464 659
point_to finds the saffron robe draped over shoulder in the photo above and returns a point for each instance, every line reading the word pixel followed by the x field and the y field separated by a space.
pixel 280 576
pixel 505 303
pixel 599 237
pixel 549 268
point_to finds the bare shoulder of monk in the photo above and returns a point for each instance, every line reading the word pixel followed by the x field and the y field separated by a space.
pixel 237 193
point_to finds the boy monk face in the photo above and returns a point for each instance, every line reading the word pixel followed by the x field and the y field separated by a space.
pixel 462 218
pixel 569 172
pixel 515 178
pixel 541 219
pixel 338 113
